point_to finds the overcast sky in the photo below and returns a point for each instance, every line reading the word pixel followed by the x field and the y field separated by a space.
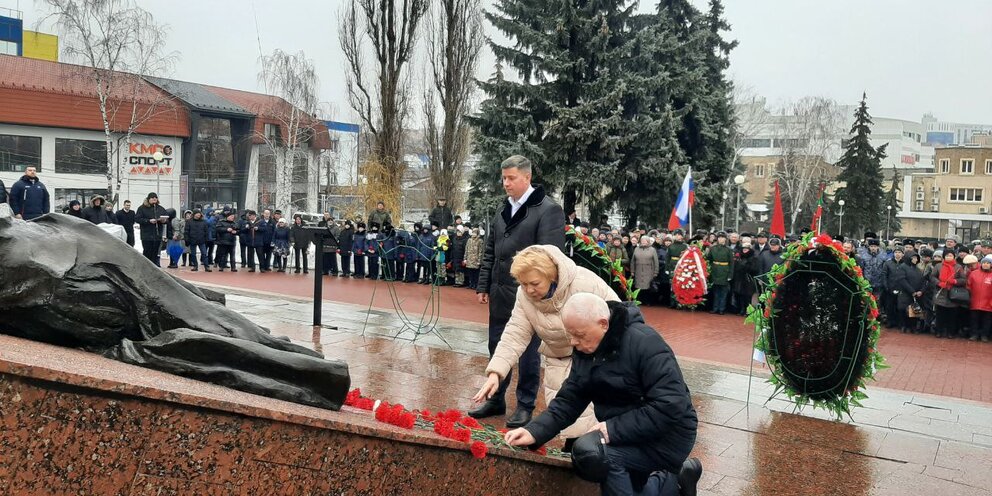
pixel 911 56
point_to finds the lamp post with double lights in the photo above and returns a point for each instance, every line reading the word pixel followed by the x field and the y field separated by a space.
pixel 840 228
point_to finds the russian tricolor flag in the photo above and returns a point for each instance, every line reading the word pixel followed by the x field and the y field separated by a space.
pixel 683 205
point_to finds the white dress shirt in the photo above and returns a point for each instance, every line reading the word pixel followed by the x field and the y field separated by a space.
pixel 515 204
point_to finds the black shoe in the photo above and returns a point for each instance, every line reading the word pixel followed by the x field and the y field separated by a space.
pixel 206 269
pixel 220 269
pixel 234 270
pixel 194 269
pixel 297 271
pixel 251 270
pixel 305 271
pixel 488 409
pixel 520 418
pixel 689 476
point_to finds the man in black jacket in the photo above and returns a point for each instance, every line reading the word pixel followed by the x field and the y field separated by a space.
pixel 528 217
pixel 3 192
pixel 630 375
pixel 440 216
pixel 196 234
pixel 153 228
pixel 125 217
pixel 226 236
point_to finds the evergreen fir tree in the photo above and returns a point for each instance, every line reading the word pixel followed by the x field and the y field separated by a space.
pixel 861 173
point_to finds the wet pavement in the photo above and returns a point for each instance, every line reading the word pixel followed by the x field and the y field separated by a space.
pixel 918 363
pixel 900 443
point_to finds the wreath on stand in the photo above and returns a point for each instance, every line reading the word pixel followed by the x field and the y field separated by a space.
pixel 591 256
pixel 689 278
pixel 817 326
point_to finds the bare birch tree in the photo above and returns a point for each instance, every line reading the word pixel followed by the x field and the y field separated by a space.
pixel 454 41
pixel 117 44
pixel 809 134
pixel 293 79
pixel 386 32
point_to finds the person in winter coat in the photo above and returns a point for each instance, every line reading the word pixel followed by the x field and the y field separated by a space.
pixel 197 231
pixel 770 257
pixel 254 239
pixel 892 274
pixel 359 247
pixel 746 268
pixel 125 218
pixel 280 244
pixel 3 192
pixel 152 227
pixel 672 259
pixel 616 251
pixel 949 274
pixel 179 234
pixel 380 216
pixel 911 285
pixel 980 286
pixel 721 261
pixel 425 255
pixel 266 229
pixel 547 280
pixel 474 251
pixel 29 197
pixel 329 257
pixel 647 423
pixel 211 216
pixel 346 240
pixel 528 216
pixel 300 238
pixel 384 245
pixel 644 265
pixel 96 212
pixel 405 263
pixel 175 238
pixel 226 236
pixel 458 255
pixel 373 252
pixel 872 263
pixel 440 216
pixel 75 209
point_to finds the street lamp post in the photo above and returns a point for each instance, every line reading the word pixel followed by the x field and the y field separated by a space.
pixel 888 216
pixel 158 157
pixel 738 180
pixel 723 212
pixel 840 228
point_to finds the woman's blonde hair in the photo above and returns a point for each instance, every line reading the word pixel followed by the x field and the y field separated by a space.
pixel 534 259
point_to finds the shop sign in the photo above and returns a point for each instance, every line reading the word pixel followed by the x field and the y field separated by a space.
pixel 142 159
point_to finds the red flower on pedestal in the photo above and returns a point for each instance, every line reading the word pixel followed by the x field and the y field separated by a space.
pixel 443 428
pixel 824 240
pixel 353 396
pixel 471 423
pixel 479 449
pixel 451 415
pixel 543 451
pixel 463 435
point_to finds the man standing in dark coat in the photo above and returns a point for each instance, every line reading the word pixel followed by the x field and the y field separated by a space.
pixel 3 192
pixel 528 217
pixel 441 217
pixel 29 197
pixel 647 424
pixel 150 218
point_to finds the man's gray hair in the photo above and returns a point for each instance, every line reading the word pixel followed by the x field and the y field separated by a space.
pixel 517 162
pixel 586 307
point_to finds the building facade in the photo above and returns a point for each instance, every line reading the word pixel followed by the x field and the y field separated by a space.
pixel 945 133
pixel 954 199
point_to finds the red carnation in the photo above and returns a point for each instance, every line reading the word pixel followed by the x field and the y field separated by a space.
pixel 352 397
pixel 471 423
pixel 768 312
pixel 406 420
pixel 452 415
pixel 824 240
pixel 364 403
pixel 503 431
pixel 426 414
pixel 479 449
pixel 873 313
pixel 462 435
pixel 384 412
pixel 442 427
pixel 543 451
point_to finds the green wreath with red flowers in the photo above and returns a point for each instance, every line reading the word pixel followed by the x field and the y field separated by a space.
pixel 817 326
pixel 590 255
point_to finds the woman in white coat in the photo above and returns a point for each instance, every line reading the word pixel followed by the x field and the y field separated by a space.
pixel 547 279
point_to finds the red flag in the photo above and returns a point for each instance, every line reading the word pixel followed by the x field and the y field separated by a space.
pixel 814 226
pixel 778 218
pixel 673 221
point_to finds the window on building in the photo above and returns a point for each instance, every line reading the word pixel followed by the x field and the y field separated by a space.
pixel 967 166
pixel 945 166
pixel 759 170
pixel 300 166
pixel 8 48
pixel 790 143
pixel 299 201
pixel 80 156
pixel 966 195
pixel 17 153
pixel 335 145
pixel 919 205
pixel 214 151
pixel 988 166
pixel 273 135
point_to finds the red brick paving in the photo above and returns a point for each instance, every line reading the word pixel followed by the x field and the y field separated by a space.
pixel 955 368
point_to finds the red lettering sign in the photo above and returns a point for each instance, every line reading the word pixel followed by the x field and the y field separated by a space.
pixel 908 159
